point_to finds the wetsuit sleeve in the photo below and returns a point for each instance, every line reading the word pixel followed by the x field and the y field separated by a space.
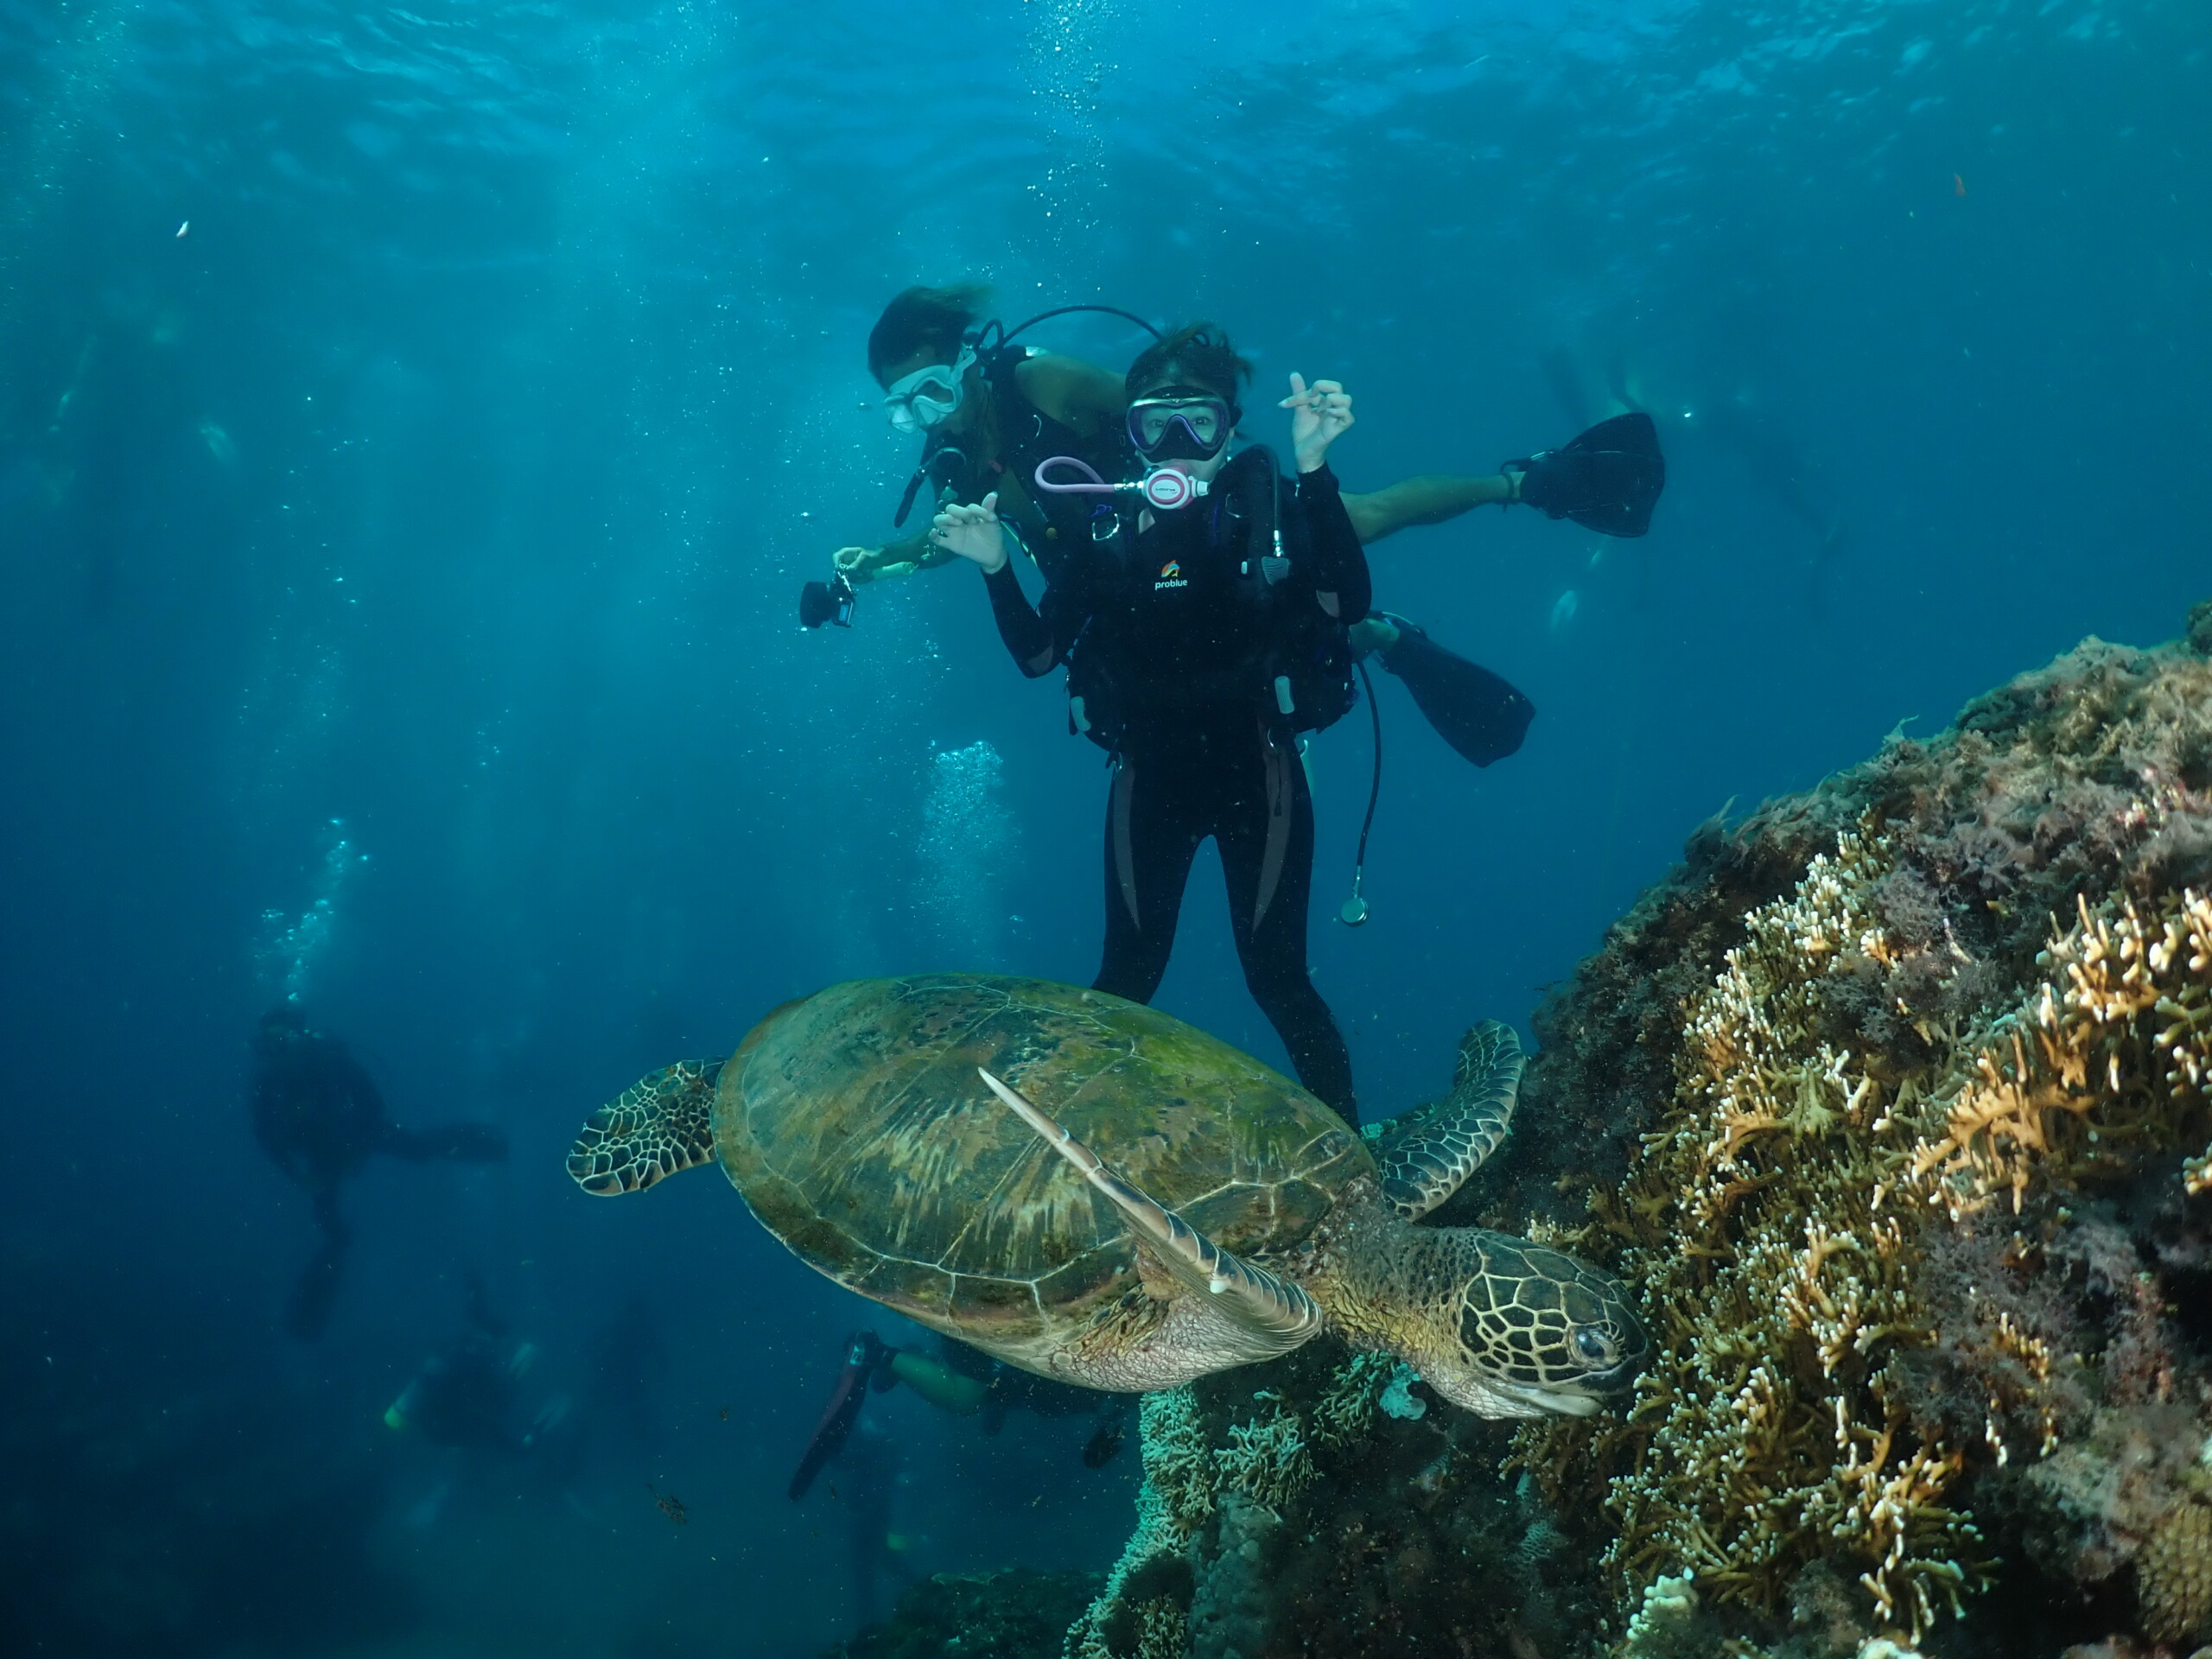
pixel 1038 641
pixel 1339 564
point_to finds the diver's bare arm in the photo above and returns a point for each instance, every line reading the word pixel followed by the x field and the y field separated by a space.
pixel 1073 392
pixel 1429 498
pixel 859 565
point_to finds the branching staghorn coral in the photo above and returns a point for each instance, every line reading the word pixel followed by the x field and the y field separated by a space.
pixel 1778 1281
pixel 1177 1496
pixel 1344 1414
pixel 2112 1049
pixel 1773 1222
pixel 1266 1460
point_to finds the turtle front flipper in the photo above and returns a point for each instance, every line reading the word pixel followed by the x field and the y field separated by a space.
pixel 1425 1155
pixel 660 1126
pixel 1265 1316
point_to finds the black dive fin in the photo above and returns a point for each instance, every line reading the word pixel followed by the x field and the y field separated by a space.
pixel 1474 710
pixel 1607 480
pixel 864 1355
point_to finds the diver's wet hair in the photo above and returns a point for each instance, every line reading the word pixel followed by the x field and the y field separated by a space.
pixel 929 320
pixel 1197 354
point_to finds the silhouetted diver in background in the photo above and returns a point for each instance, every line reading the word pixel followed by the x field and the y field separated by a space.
pixel 319 1116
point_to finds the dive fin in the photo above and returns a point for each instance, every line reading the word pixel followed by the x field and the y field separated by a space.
pixel 1607 478
pixel 1427 1155
pixel 1272 1316
pixel 660 1126
pixel 1477 712
pixel 864 1356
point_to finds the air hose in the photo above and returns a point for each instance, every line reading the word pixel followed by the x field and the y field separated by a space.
pixel 1354 912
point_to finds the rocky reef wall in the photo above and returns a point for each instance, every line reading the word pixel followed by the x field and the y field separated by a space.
pixel 1891 1103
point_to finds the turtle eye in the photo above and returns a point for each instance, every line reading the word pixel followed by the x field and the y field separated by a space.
pixel 1592 1346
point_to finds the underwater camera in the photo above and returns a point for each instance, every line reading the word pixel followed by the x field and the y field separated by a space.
pixel 827 601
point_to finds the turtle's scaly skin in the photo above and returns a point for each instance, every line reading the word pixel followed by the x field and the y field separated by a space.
pixel 856 1128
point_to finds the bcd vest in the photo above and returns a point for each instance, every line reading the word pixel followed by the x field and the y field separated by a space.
pixel 1266 642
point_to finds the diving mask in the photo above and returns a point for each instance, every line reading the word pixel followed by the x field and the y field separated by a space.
pixel 931 395
pixel 1177 427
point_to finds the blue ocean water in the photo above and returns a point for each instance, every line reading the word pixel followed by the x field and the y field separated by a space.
pixel 415 427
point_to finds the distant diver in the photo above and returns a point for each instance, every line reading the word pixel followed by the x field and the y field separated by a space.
pixel 469 1395
pixel 963 1382
pixel 319 1116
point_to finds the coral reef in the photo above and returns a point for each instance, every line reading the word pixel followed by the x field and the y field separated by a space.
pixel 1900 1215
pixel 1891 1100
pixel 1300 1517
pixel 1013 1615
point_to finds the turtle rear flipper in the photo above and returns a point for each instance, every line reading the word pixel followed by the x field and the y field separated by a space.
pixel 660 1126
pixel 1266 1316
pixel 1425 1155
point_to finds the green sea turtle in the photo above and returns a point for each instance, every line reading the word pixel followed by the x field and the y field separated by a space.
pixel 1183 1210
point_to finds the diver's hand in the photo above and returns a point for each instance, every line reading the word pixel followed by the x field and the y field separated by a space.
pixel 973 533
pixel 857 564
pixel 1319 414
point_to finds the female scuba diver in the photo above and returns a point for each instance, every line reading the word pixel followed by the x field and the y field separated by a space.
pixel 1201 615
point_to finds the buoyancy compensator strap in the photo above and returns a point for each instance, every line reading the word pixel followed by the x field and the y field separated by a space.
pixel 1299 672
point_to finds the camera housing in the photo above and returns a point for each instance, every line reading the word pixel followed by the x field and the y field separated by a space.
pixel 829 601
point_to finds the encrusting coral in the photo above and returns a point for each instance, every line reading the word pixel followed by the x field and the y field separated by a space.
pixel 2175 1575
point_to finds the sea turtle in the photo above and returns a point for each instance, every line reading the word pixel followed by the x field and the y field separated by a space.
pixel 1197 1210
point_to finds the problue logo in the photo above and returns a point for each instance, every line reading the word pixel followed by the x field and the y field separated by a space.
pixel 1171 576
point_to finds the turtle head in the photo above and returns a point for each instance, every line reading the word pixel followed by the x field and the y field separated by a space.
pixel 1527 1330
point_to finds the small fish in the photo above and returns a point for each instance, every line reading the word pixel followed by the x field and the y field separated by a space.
pixel 832 1489
pixel 1563 611
pixel 725 1414
pixel 1958 188
pixel 182 228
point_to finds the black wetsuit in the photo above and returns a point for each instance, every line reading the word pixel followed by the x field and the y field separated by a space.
pixel 319 1116
pixel 1027 435
pixel 1175 636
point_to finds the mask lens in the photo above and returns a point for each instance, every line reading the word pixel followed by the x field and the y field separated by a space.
pixel 921 400
pixel 1204 420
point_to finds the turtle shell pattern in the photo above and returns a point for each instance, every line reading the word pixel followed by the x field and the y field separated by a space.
pixel 856 1127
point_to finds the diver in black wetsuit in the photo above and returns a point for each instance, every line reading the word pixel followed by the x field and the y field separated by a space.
pixel 318 1115
pixel 1201 638
pixel 963 1382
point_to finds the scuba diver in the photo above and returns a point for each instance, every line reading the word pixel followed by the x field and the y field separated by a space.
pixel 318 1115
pixel 989 411
pixel 963 1382
pixel 469 1395
pixel 1202 617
